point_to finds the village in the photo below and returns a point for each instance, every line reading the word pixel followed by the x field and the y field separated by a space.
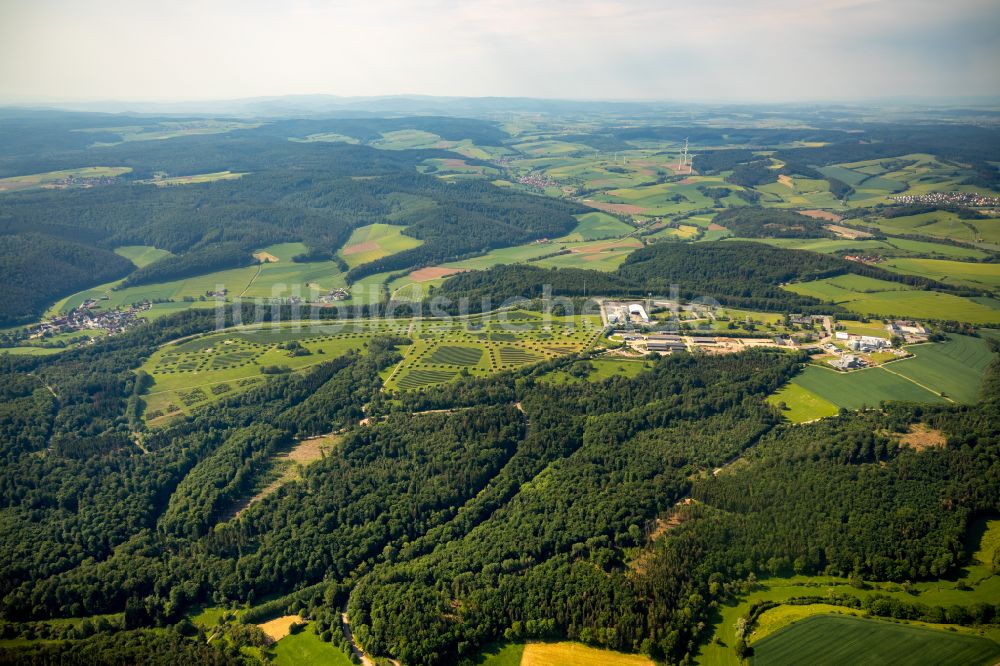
pixel 89 317
pixel 973 199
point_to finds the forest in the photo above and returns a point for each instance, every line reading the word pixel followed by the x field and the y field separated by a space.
pixel 516 503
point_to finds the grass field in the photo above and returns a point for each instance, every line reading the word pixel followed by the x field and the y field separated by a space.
pixel 961 273
pixel 801 404
pixel 142 255
pixel 835 639
pixel 868 296
pixel 597 226
pixel 955 367
pixel 375 241
pixel 306 647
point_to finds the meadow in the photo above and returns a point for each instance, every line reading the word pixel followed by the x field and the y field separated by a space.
pixel 195 179
pixel 985 276
pixel 305 647
pixel 868 296
pixel 597 226
pixel 836 639
pixel 375 241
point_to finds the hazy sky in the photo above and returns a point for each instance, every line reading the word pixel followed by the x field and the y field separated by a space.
pixel 52 50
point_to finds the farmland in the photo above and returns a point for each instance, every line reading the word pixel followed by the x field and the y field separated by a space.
pixel 832 639
pixel 961 273
pixel 559 654
pixel 868 296
pixel 953 369
pixel 375 241
pixel 195 179
pixel 64 178
pixel 597 226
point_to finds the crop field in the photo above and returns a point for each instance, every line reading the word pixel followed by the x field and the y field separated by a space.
pixel 945 225
pixel 598 226
pixel 57 178
pixel 868 296
pixel 961 273
pixel 604 255
pixel 576 654
pixel 863 388
pixel 407 139
pixel 955 367
pixel 800 193
pixel 836 639
pixel 375 241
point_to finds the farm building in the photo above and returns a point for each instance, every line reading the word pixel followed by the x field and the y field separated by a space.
pixel 842 335
pixel 704 341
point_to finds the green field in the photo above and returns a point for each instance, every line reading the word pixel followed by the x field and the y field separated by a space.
pixel 442 350
pixel 142 255
pixel 868 296
pixel 375 241
pixel 836 639
pixel 861 388
pixel 801 404
pixel 194 373
pixel 955 367
pixel 604 368
pixel 306 647
pixel 960 273
pixel 597 226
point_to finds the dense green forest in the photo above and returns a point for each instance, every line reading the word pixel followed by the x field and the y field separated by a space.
pixel 38 269
pixel 525 501
pixel 753 222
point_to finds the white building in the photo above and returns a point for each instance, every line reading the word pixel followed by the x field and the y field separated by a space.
pixel 638 311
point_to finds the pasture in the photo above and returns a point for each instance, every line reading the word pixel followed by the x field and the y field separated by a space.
pixel 862 388
pixel 800 404
pixel 836 639
pixel 375 241
pixel 142 255
pixel 597 226
pixel 306 647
